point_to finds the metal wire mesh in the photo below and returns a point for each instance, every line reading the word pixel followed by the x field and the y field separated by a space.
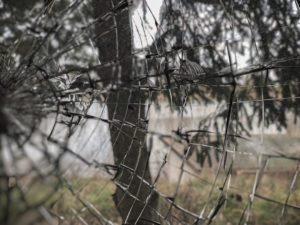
pixel 93 102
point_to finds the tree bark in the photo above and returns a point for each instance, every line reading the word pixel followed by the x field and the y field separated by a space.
pixel 129 142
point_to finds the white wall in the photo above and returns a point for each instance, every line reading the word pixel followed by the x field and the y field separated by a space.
pixel 91 140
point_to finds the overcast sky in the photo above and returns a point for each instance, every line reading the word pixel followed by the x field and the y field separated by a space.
pixel 150 28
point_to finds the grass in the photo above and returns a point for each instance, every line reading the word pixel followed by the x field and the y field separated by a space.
pixel 95 192
pixel 191 195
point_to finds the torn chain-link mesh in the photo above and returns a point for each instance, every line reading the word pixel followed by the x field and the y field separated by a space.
pixel 76 93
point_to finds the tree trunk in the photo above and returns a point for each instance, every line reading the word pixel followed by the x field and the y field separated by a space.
pixel 129 142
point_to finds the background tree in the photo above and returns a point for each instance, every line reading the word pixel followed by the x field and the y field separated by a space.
pixel 189 59
pixel 260 33
pixel 127 113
